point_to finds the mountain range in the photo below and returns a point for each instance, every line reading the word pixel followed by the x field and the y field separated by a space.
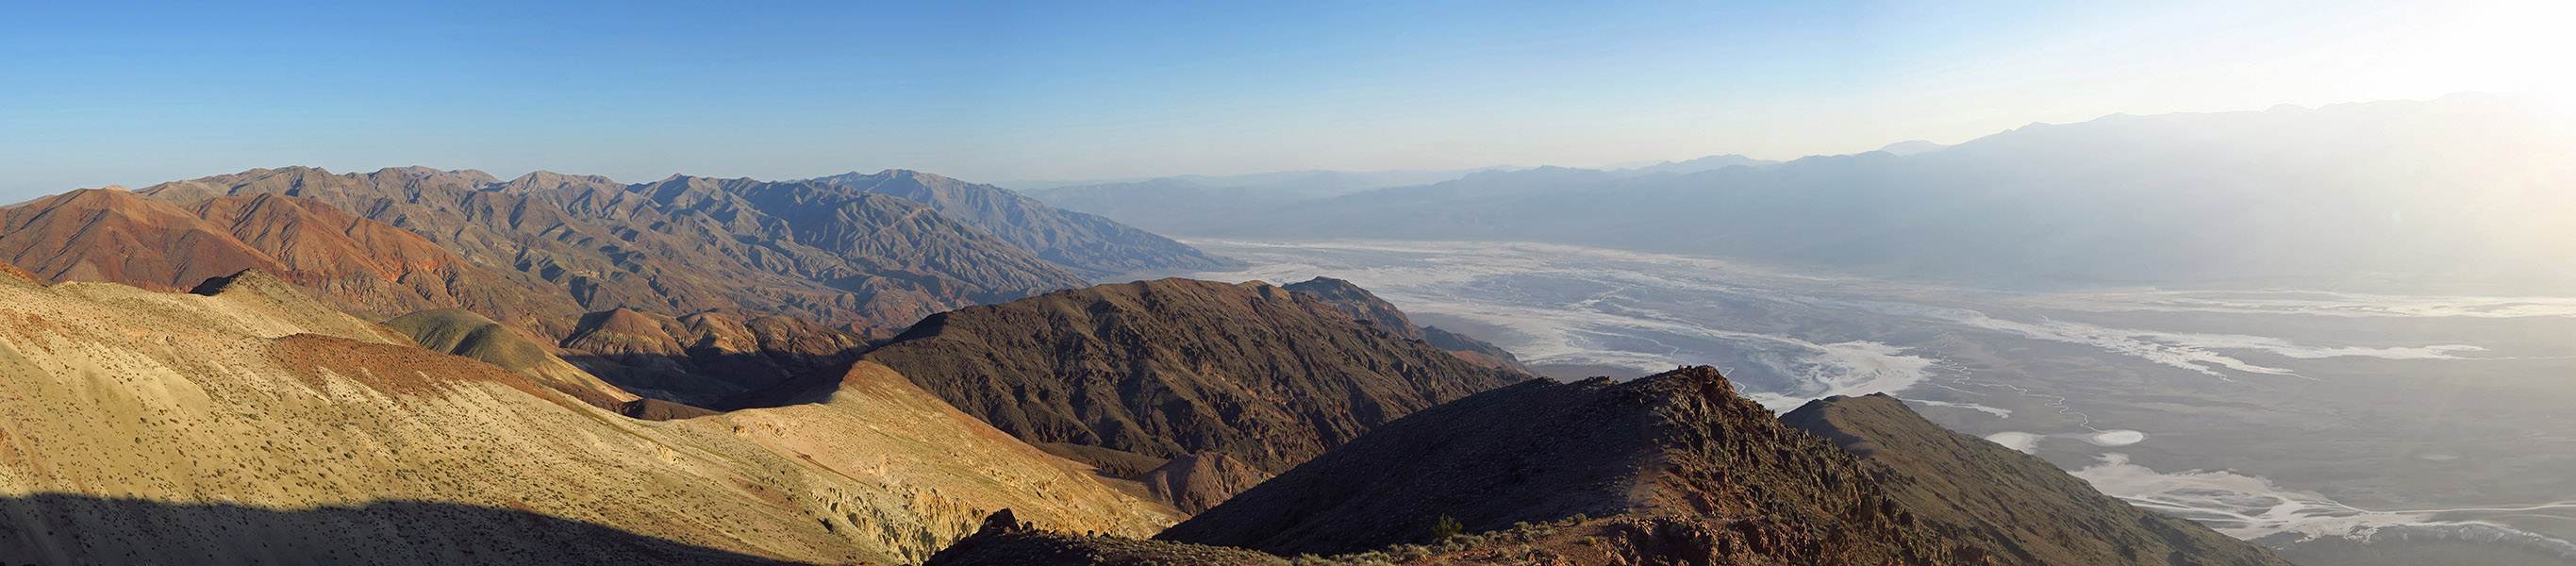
pixel 2329 197
pixel 413 365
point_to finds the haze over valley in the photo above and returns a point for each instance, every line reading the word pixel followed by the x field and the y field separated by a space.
pixel 2195 283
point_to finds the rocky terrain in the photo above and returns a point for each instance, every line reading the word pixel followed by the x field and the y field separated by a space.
pixel 813 250
pixel 1677 468
pixel 1088 244
pixel 251 424
pixel 1379 314
pixel 1176 367
pixel 2007 503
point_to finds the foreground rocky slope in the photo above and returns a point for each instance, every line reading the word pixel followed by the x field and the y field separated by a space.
pixel 1677 468
pixel 2007 503
pixel 1176 367
pixel 251 424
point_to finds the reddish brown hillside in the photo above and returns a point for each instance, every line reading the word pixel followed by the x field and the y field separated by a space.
pixel 360 265
pixel 115 236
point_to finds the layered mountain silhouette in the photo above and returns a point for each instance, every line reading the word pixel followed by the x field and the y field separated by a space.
pixel 2451 196
pixel 1176 367
pixel 1670 469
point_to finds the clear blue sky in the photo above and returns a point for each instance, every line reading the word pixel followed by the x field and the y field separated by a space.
pixel 95 93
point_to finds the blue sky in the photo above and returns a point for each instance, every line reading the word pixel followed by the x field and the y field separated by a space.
pixel 104 93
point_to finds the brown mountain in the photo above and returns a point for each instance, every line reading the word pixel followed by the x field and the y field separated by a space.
pixel 1377 313
pixel 359 265
pixel 1196 482
pixel 1673 468
pixel 1088 244
pixel 1177 367
pixel 683 245
pixel 253 425
pixel 2007 503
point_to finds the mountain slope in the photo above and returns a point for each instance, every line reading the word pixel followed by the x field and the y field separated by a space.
pixel 1672 468
pixel 1175 367
pixel 360 265
pixel 683 245
pixel 250 424
pixel 1088 244
pixel 2010 503
pixel 1367 308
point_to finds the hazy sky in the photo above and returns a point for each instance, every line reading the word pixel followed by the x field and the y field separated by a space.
pixel 93 93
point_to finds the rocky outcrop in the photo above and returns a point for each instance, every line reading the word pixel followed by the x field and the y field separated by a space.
pixel 1672 468
pixel 2005 503
pixel 1197 482
pixel 1360 304
pixel 1004 541
pixel 1370 310
pixel 1175 367
pixel 1087 244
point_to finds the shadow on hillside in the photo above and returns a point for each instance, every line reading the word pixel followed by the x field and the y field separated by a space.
pixel 79 529
pixel 712 380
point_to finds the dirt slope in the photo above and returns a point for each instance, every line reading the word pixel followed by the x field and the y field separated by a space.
pixel 251 424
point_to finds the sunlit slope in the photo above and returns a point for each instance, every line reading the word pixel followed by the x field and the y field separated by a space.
pixel 256 426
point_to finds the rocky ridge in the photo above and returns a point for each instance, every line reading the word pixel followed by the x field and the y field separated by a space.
pixel 1176 367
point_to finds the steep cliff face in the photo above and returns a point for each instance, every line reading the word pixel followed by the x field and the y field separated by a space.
pixel 2007 503
pixel 1176 367
pixel 247 423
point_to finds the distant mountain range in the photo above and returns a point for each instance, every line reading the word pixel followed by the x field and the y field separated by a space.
pixel 2461 195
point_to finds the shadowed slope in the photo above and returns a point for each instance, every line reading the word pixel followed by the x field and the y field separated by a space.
pixel 2012 504
pixel 56 528
pixel 1678 468
pixel 1173 367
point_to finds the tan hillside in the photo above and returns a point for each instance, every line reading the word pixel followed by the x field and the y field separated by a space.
pixel 254 425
